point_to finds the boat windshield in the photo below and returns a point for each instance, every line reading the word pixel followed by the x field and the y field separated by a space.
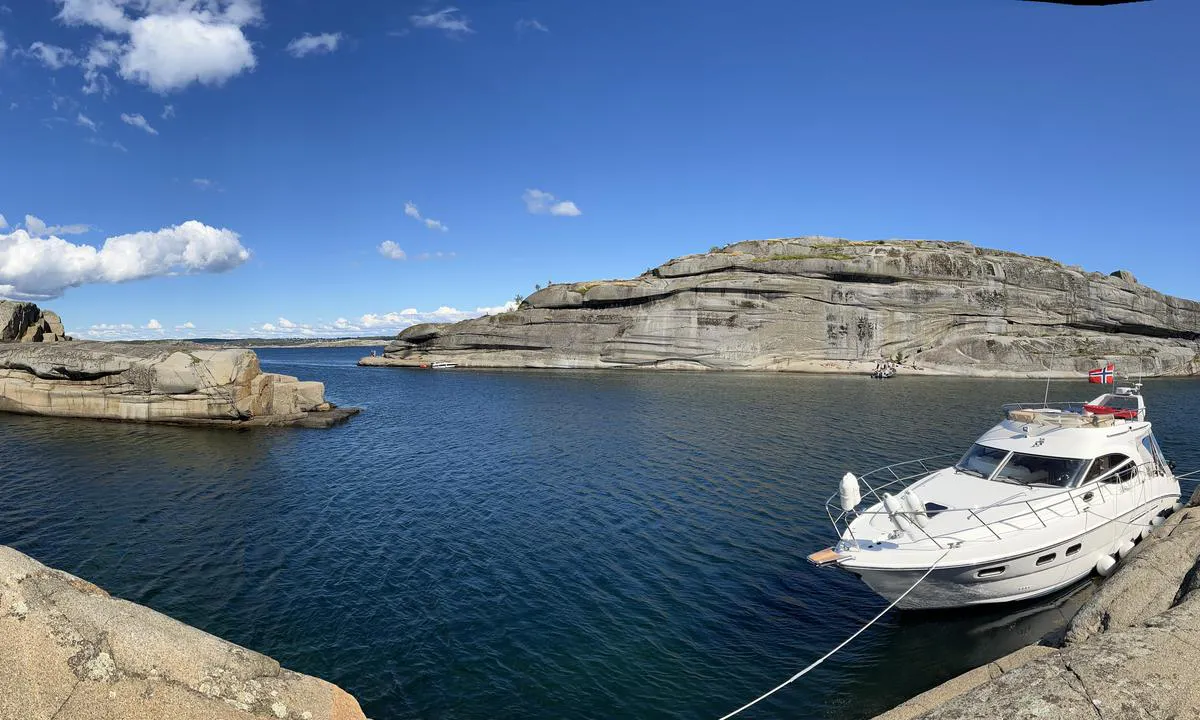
pixel 981 461
pixel 1041 471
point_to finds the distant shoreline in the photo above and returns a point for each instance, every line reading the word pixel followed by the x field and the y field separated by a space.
pixel 269 343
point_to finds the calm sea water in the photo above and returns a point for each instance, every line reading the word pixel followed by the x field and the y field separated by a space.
pixel 533 544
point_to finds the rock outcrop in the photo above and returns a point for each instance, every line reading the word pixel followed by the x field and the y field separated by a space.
pixel 821 304
pixel 181 384
pixel 26 322
pixel 1133 650
pixel 69 651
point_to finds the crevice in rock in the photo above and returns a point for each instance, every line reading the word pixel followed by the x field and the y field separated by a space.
pixel 1082 687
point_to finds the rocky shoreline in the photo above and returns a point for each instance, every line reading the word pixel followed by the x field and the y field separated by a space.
pixel 1132 650
pixel 72 652
pixel 816 304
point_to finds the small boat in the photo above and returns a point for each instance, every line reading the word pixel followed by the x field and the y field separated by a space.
pixel 884 370
pixel 1050 494
pixel 443 365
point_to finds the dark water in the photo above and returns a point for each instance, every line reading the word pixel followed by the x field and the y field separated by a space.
pixel 533 544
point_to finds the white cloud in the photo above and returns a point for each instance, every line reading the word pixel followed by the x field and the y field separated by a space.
pixel 205 184
pixel 531 24
pixel 439 255
pixel 52 56
pixel 138 121
pixel 168 112
pixel 3 222
pixel 396 321
pixel 411 210
pixel 165 45
pixel 35 267
pixel 105 143
pixel 285 323
pixel 391 250
pixel 186 326
pixel 448 20
pixel 539 202
pixel 267 327
pixel 84 121
pixel 36 227
pixel 3 48
pixel 154 325
pixel 314 44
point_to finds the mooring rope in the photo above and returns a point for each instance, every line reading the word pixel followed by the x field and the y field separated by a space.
pixel 843 644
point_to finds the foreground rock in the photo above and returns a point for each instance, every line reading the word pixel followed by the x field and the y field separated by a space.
pixel 821 304
pixel 26 322
pixel 68 651
pixel 1133 651
pixel 181 384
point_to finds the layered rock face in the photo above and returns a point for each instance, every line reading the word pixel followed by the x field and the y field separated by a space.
pixel 182 384
pixel 69 651
pixel 822 304
pixel 26 322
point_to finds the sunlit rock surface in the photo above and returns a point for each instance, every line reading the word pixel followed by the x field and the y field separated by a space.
pixel 828 305
pixel 69 651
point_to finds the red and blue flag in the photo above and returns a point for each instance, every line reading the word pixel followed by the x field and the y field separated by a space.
pixel 1106 375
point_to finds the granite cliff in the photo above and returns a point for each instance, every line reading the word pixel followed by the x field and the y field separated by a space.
pixel 829 305
pixel 69 651
pixel 26 322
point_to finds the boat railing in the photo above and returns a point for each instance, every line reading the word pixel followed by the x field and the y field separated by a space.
pixel 1071 407
pixel 902 480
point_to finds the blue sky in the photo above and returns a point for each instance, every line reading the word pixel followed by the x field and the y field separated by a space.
pixel 299 132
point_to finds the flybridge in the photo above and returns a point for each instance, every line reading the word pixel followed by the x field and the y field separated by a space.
pixel 1123 404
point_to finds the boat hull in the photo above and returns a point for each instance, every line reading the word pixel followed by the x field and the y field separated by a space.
pixel 1023 577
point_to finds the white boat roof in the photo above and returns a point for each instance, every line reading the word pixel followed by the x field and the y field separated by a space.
pixel 1082 443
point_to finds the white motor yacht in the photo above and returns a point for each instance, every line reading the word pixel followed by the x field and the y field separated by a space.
pixel 1037 503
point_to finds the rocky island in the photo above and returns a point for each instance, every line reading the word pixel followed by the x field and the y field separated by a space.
pixel 42 372
pixel 818 304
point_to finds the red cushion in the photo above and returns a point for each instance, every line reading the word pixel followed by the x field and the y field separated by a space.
pixel 1115 412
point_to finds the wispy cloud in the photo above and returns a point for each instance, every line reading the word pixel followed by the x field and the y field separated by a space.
pixel 3 222
pixel 448 20
pixel 85 121
pixel 314 44
pixel 52 56
pixel 391 251
pixel 168 112
pixel 36 227
pixel 107 143
pixel 138 121
pixel 207 184
pixel 411 210
pixel 540 202
pixel 531 24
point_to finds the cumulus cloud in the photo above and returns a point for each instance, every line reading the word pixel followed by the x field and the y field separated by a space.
pixel 287 324
pixel 411 210
pixel 396 321
pixel 540 202
pixel 186 326
pixel 448 20
pixel 308 44
pixel 531 24
pixel 52 56
pixel 165 45
pixel 391 251
pixel 84 121
pixel 33 266
pixel 138 121
pixel 154 325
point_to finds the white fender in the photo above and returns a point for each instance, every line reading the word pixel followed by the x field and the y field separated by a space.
pixel 851 494
pixel 1125 548
pixel 1176 507
pixel 1105 565
pixel 916 508
pixel 1146 531
pixel 896 511
pixel 1156 521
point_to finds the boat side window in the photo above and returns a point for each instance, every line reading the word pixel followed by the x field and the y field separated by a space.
pixel 1042 470
pixel 981 461
pixel 1151 447
pixel 1115 468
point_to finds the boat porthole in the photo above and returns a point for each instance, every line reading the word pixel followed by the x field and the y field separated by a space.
pixel 1046 558
pixel 1073 549
pixel 990 572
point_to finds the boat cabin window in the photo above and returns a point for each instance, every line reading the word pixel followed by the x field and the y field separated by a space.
pixel 1150 445
pixel 981 461
pixel 1119 402
pixel 1115 468
pixel 1040 470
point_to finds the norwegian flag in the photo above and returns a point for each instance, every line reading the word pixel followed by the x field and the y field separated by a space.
pixel 1106 375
